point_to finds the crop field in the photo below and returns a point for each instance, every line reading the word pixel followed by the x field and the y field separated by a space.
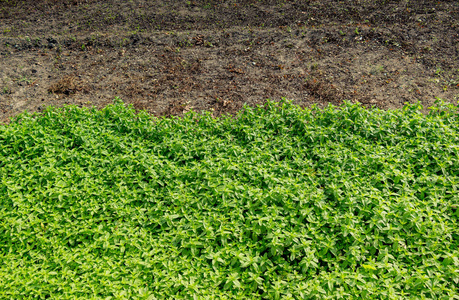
pixel 194 186
pixel 277 202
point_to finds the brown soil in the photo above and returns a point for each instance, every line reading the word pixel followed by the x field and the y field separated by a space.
pixel 172 56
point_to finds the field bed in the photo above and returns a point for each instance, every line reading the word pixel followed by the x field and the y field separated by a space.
pixel 169 56
pixel 278 202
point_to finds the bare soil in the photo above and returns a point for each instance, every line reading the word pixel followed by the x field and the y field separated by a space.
pixel 169 57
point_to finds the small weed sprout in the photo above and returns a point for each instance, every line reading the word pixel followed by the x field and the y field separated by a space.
pixel 439 71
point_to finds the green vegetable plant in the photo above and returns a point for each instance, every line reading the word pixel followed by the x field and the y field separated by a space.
pixel 277 202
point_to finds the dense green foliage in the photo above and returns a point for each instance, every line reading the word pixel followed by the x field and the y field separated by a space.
pixel 277 203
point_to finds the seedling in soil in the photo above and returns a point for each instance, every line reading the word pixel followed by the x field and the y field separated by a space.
pixel 23 79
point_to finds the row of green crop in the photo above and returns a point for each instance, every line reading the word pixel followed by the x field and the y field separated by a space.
pixel 276 203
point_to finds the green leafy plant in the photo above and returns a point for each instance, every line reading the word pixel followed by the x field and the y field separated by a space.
pixel 23 79
pixel 277 202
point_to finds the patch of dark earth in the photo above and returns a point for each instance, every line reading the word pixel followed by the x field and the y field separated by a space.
pixel 168 57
